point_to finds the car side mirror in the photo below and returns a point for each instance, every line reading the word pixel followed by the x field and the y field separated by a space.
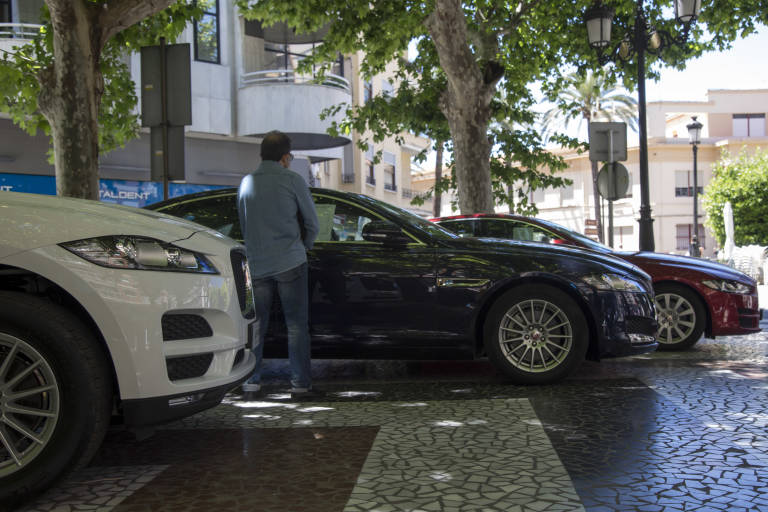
pixel 385 232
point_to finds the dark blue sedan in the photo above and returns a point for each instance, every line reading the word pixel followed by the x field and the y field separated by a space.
pixel 386 284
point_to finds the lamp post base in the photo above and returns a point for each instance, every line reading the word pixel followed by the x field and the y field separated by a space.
pixel 646 230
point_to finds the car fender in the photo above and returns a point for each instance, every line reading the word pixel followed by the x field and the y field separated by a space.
pixel 59 271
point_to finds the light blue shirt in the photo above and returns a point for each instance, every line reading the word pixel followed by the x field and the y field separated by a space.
pixel 269 203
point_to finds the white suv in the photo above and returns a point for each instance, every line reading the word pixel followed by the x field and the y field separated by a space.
pixel 108 310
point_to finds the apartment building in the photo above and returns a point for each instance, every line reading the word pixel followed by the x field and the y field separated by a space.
pixel 731 119
pixel 244 83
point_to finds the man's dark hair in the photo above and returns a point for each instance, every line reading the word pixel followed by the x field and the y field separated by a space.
pixel 275 145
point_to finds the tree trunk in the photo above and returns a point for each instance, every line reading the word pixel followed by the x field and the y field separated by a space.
pixel 70 94
pixel 72 86
pixel 466 105
pixel 472 152
pixel 596 194
pixel 438 195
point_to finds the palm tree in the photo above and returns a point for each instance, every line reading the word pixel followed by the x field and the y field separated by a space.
pixel 588 98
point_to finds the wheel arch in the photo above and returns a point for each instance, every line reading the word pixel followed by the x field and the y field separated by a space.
pixel 16 279
pixel 705 304
pixel 564 286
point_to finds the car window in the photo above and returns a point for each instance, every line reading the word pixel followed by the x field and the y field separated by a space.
pixel 463 228
pixel 219 213
pixel 495 228
pixel 340 221
pixel 529 232
pixel 514 230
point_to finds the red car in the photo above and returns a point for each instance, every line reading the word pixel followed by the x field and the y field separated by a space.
pixel 693 296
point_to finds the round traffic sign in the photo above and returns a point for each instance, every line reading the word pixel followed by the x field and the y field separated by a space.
pixel 613 181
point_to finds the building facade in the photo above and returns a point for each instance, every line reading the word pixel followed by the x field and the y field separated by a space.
pixel 244 83
pixel 732 120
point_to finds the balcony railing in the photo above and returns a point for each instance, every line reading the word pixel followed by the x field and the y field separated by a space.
pixel 19 30
pixel 390 186
pixel 409 193
pixel 289 76
pixel 347 178
pixel 370 180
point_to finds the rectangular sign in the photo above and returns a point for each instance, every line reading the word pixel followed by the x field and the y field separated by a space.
pixel 607 142
pixel 175 148
pixel 178 85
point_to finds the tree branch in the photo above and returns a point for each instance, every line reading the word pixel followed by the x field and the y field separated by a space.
pixel 114 16
pixel 15 53
pixel 448 29
pixel 523 8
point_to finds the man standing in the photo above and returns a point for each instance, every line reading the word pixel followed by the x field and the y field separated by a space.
pixel 279 225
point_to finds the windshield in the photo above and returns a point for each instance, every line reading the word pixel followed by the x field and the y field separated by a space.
pixel 582 239
pixel 411 219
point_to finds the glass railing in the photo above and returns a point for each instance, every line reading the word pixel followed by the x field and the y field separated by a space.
pixel 409 193
pixel 289 76
pixel 19 30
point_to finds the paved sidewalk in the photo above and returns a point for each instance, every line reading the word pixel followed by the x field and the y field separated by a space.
pixel 671 431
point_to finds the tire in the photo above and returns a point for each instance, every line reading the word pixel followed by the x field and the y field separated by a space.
pixel 55 395
pixel 536 334
pixel 681 316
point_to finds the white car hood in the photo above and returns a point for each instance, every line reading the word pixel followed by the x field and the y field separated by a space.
pixel 29 221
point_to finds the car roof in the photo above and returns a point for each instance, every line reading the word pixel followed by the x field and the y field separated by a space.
pixel 229 191
pixel 482 216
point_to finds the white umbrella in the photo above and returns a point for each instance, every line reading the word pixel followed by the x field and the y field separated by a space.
pixel 728 221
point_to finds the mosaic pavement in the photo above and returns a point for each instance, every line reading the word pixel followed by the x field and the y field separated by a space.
pixel 665 432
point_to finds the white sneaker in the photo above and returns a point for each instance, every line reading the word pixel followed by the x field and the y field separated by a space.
pixel 251 387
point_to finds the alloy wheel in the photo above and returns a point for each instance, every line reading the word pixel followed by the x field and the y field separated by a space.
pixel 29 404
pixel 535 335
pixel 676 317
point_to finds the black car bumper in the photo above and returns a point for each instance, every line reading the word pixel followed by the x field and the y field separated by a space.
pixel 627 324
pixel 162 409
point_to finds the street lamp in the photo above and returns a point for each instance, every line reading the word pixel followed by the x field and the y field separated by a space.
pixel 694 133
pixel 644 38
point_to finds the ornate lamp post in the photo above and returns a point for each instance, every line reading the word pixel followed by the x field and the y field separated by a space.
pixel 694 133
pixel 644 38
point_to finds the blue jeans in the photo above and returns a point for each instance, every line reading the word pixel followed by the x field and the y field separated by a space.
pixel 292 288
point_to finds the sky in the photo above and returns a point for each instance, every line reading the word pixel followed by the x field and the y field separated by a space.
pixel 745 66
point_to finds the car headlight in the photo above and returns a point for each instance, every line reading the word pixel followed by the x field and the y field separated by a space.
pixel 139 253
pixel 612 282
pixel 724 285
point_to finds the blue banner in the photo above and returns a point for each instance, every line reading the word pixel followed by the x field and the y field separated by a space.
pixel 129 193
pixel 30 183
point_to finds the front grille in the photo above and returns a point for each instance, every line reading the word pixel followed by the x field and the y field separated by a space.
pixel 188 367
pixel 747 323
pixel 178 326
pixel 242 283
pixel 749 318
pixel 239 357
pixel 641 325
